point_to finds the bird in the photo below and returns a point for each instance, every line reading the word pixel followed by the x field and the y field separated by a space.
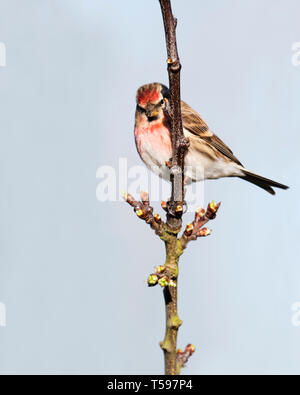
pixel 207 157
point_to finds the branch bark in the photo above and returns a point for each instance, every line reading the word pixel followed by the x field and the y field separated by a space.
pixel 179 142
pixel 174 214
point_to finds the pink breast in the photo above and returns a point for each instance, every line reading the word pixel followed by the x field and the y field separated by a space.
pixel 154 137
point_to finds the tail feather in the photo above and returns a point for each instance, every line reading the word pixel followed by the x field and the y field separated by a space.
pixel 262 182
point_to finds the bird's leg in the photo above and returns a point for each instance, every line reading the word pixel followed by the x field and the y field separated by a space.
pixel 184 203
pixel 179 209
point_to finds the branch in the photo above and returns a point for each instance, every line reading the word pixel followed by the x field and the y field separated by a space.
pixel 183 356
pixel 174 207
pixel 195 229
pixel 145 212
pixel 179 143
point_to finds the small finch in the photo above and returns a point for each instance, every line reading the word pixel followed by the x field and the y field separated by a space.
pixel 207 156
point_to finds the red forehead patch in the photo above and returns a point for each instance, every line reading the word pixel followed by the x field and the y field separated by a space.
pixel 149 95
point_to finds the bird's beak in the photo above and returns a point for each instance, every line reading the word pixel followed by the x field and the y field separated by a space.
pixel 151 112
pixel 154 113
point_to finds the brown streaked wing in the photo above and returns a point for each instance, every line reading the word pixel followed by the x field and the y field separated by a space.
pixel 192 121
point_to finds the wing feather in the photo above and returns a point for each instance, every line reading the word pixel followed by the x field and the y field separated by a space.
pixel 192 121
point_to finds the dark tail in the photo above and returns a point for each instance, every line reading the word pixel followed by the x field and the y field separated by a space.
pixel 262 182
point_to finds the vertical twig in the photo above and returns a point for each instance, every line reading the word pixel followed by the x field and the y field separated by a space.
pixel 178 140
pixel 174 213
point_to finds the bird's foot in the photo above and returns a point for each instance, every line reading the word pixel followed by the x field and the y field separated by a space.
pixel 177 209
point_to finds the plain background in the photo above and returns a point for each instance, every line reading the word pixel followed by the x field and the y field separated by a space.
pixel 73 269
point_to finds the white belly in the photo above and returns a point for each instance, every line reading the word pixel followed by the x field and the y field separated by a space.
pixel 155 150
pixel 156 161
pixel 199 167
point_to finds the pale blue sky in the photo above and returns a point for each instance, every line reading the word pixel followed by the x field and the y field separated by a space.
pixel 72 269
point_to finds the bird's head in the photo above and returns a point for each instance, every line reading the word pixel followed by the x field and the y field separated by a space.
pixel 152 99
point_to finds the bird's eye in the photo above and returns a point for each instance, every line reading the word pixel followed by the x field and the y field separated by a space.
pixel 162 102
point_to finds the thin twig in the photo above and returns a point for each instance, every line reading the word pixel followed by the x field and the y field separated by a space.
pixel 174 214
pixel 145 212
pixel 183 356
pixel 179 143
pixel 195 229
